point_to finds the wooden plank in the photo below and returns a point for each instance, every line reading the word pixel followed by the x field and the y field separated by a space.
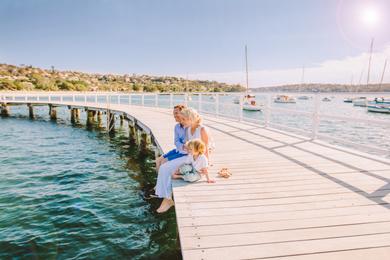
pixel 378 253
pixel 282 236
pixel 242 228
pixel 280 215
pixel 290 248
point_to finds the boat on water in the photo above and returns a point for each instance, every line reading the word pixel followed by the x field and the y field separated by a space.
pixel 360 102
pixel 249 103
pixel 326 99
pixel 303 97
pixel 379 108
pixel 284 99
pixel 348 100
pixel 381 100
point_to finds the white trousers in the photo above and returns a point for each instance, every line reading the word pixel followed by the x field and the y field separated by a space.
pixel 164 178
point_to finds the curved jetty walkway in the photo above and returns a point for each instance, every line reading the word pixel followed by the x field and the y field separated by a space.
pixel 289 197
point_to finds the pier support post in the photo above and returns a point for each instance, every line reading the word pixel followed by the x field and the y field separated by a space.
pixel 90 117
pixel 132 132
pixel 122 117
pixel 110 121
pixel 99 118
pixel 4 110
pixel 145 142
pixel 77 114
pixel 53 112
pixel 30 111
pixel 73 115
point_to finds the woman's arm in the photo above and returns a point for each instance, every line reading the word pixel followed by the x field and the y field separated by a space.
pixel 205 138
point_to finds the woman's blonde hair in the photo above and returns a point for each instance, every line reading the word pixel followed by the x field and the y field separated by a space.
pixel 192 115
pixel 197 146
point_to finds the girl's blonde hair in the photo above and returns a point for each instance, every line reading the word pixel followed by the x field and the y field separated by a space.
pixel 192 115
pixel 197 146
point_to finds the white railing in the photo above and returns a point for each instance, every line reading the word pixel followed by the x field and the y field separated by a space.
pixel 207 103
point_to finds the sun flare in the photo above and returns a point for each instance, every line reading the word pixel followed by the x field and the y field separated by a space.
pixel 370 16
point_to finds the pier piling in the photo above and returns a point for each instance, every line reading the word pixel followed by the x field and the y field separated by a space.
pixel 90 117
pixel 99 118
pixel 4 110
pixel 73 115
pixel 30 111
pixel 53 112
pixel 110 121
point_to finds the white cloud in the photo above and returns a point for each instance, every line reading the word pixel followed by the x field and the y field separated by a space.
pixel 330 71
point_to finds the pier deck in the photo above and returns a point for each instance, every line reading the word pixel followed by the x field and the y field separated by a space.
pixel 289 197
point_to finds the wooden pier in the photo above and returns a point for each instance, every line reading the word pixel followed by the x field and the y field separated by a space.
pixel 290 197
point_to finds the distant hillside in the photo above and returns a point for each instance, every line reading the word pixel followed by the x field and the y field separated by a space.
pixel 326 88
pixel 30 78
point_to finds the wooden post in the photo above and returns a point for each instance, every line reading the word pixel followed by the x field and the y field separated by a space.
pixel 4 110
pixel 132 132
pixel 90 117
pixel 53 112
pixel 110 121
pixel 30 111
pixel 99 118
pixel 77 113
pixel 144 142
pixel 73 115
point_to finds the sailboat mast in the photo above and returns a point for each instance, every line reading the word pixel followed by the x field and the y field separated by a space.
pixel 246 66
pixel 369 61
pixel 383 74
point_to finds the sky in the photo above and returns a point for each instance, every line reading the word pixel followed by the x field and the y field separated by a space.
pixel 202 39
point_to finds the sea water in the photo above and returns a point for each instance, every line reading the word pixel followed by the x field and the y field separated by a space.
pixel 68 192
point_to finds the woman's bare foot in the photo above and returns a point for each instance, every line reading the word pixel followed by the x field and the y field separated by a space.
pixel 166 204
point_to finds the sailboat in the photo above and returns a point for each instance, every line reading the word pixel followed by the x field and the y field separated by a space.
pixel 362 101
pixel 380 105
pixel 249 100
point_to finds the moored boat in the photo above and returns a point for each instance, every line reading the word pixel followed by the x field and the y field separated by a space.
pixel 284 99
pixel 379 108
pixel 360 102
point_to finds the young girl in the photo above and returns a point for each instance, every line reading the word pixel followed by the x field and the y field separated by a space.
pixel 196 163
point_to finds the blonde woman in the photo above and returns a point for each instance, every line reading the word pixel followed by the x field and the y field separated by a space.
pixel 191 120
pixel 196 130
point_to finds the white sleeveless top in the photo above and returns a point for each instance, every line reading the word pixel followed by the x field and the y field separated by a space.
pixel 196 134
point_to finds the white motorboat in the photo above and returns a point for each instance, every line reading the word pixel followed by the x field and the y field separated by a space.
pixel 360 102
pixel 381 100
pixel 284 99
pixel 326 99
pixel 348 100
pixel 303 97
